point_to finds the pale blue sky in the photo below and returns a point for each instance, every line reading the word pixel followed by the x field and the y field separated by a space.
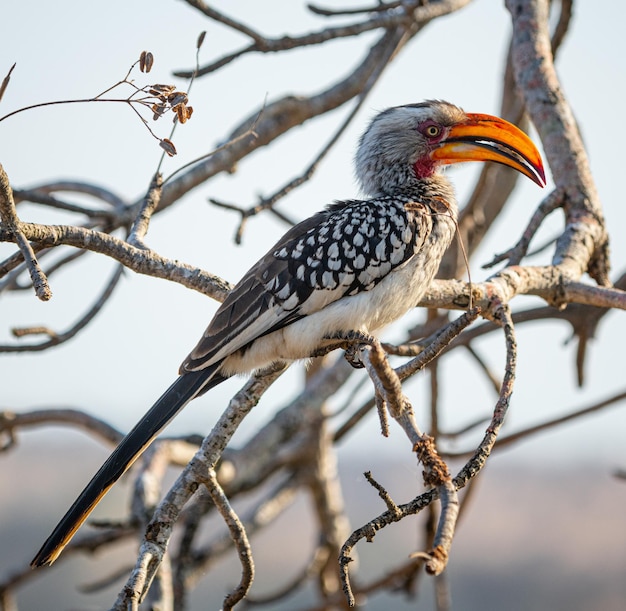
pixel 71 49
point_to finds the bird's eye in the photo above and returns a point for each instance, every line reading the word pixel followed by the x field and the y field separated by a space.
pixel 432 131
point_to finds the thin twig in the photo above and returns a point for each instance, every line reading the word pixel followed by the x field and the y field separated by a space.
pixel 10 422
pixel 482 452
pixel 8 215
pixel 238 536
pixel 56 338
pixel 515 254
pixel 235 140
pixel 442 340
pixel 413 13
pixel 544 426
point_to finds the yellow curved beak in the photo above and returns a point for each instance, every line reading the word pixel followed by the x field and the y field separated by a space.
pixel 487 138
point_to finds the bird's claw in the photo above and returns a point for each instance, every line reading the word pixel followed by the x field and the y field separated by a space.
pixel 353 357
pixel 351 342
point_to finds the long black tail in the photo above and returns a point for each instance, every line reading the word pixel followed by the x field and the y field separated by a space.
pixel 183 390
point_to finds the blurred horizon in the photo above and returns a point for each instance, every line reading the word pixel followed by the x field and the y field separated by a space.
pixel 530 538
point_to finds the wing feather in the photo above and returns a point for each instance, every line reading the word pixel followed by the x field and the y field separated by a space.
pixel 341 251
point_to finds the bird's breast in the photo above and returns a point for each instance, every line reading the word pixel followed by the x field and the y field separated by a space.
pixel 384 301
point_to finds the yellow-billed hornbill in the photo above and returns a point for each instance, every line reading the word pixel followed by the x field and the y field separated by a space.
pixel 354 267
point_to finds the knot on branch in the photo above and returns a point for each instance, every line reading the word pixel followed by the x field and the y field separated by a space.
pixel 436 471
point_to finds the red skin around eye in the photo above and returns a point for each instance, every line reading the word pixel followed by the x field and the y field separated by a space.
pixel 425 166
pixel 422 128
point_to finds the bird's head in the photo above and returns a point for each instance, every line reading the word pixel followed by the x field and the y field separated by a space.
pixel 405 144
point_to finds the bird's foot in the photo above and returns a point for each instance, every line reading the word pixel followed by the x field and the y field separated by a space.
pixel 350 342
pixel 352 356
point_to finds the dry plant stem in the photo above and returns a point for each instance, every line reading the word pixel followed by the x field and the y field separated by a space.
pixel 382 493
pixel 160 528
pixel 268 202
pixel 318 10
pixel 238 536
pixel 288 430
pixel 427 352
pixel 490 375
pixel 354 419
pixel 9 218
pixel 128 101
pixel 14 266
pixel 399 579
pixel 249 134
pixel 321 475
pixel 368 531
pixel 293 432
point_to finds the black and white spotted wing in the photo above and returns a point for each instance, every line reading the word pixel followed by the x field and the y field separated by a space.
pixel 344 250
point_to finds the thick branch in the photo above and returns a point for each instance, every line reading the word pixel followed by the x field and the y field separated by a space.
pixel 140 260
pixel 583 246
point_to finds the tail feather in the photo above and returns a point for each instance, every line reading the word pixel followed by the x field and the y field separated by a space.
pixel 183 390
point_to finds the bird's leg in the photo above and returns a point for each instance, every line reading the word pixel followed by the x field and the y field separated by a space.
pixel 350 342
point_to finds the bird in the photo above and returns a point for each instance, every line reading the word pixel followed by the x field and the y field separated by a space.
pixel 352 268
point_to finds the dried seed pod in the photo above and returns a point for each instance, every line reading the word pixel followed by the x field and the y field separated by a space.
pixel 200 39
pixel 176 98
pixel 158 110
pixel 162 88
pixel 146 61
pixel 5 81
pixel 183 112
pixel 168 146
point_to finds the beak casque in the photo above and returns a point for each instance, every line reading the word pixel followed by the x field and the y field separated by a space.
pixel 487 138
